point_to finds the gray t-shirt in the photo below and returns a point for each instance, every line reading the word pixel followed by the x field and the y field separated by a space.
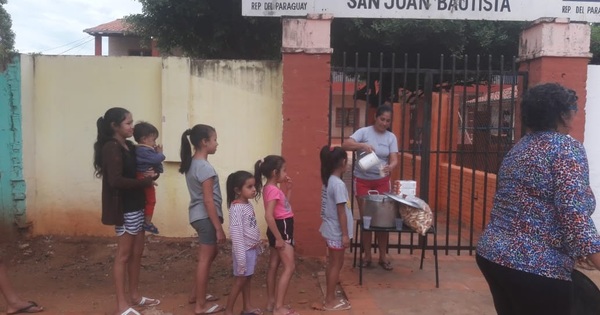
pixel 383 143
pixel 335 193
pixel 200 171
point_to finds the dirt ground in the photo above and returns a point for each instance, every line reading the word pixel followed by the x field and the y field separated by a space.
pixel 73 275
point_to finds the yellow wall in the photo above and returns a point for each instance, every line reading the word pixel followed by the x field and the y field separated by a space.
pixel 64 96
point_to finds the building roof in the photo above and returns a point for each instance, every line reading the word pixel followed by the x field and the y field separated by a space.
pixel 116 27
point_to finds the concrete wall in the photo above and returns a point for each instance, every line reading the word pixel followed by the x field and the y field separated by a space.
pixel 64 96
pixel 592 130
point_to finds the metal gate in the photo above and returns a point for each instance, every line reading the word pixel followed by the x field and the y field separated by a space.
pixel 454 124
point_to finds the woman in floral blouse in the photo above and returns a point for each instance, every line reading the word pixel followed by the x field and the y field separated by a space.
pixel 540 223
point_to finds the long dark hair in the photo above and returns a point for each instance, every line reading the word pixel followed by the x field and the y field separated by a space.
pixel 236 180
pixel 196 135
pixel 331 158
pixel 265 167
pixel 113 116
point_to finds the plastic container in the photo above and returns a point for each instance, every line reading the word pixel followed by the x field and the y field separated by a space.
pixel 366 221
pixel 368 160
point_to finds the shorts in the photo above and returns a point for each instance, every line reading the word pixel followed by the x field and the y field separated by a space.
pixel 286 228
pixel 132 223
pixel 251 257
pixel 362 186
pixel 207 234
pixel 335 244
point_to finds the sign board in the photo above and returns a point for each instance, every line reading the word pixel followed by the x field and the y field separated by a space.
pixel 498 10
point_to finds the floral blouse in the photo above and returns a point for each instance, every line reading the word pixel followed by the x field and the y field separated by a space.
pixel 541 218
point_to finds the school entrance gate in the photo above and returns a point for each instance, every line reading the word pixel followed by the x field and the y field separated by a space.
pixel 454 124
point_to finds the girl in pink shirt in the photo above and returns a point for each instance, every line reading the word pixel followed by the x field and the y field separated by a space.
pixel 280 232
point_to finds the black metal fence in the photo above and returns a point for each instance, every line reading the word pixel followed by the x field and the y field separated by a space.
pixel 454 122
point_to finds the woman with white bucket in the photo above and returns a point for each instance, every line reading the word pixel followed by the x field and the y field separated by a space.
pixel 377 149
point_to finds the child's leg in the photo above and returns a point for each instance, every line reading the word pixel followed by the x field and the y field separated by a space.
pixel 150 192
pixel 286 255
pixel 206 255
pixel 239 283
pixel 272 277
pixel 334 266
pixel 247 296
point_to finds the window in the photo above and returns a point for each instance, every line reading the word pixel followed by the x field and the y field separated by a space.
pixel 346 117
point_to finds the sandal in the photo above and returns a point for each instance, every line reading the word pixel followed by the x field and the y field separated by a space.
pixel 216 308
pixel 342 305
pixel 209 298
pixel 150 227
pixel 386 265
pixel 131 311
pixel 366 264
pixel 31 308
pixel 148 302
pixel 256 311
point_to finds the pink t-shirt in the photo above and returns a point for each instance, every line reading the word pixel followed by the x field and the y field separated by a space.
pixel 283 209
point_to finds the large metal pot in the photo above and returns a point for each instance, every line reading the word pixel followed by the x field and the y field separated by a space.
pixel 382 209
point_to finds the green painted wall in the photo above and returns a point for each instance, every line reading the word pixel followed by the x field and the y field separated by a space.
pixel 12 185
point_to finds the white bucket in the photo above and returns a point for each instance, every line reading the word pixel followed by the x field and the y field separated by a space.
pixel 368 160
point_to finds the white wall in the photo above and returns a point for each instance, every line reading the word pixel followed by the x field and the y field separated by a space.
pixel 592 130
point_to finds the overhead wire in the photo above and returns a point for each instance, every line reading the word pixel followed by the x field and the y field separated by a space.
pixel 67 44
pixel 77 46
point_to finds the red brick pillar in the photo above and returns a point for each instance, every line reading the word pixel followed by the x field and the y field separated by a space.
pixel 98 45
pixel 554 50
pixel 306 72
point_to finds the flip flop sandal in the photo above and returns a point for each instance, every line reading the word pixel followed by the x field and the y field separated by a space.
pixel 212 310
pixel 27 309
pixel 148 302
pixel 130 311
pixel 366 264
pixel 256 311
pixel 342 305
pixel 386 265
pixel 209 298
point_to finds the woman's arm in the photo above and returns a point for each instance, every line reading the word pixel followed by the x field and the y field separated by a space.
pixel 343 219
pixel 211 210
pixel 352 145
pixel 112 158
pixel 270 218
pixel 236 232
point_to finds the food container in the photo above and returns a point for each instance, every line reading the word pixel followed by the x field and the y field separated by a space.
pixel 367 160
pixel 382 210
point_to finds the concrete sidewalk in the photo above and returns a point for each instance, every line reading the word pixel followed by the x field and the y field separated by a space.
pixel 408 290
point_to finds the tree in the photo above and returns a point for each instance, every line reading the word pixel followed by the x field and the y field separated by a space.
pixel 211 29
pixel 595 44
pixel 7 37
pixel 428 38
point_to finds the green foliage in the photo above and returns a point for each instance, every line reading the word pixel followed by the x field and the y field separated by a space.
pixel 428 38
pixel 7 37
pixel 595 44
pixel 210 29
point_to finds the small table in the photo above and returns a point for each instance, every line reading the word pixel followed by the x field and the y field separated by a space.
pixel 357 246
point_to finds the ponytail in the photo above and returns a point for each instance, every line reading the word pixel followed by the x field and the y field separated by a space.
pixel 196 134
pixel 265 167
pixel 185 152
pixel 258 184
pixel 104 124
pixel 331 157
